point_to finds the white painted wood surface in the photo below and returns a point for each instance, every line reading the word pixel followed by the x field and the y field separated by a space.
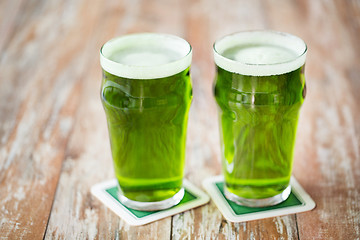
pixel 53 137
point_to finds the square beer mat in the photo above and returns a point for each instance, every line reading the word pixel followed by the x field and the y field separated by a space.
pixel 107 192
pixel 298 201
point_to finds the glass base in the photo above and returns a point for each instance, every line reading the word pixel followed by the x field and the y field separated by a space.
pixel 153 206
pixel 264 202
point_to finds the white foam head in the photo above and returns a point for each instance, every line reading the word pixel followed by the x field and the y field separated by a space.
pixel 260 53
pixel 145 55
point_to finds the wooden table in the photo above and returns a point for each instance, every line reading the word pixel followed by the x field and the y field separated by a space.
pixel 53 137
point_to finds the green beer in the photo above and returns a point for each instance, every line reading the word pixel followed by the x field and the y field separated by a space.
pixel 146 98
pixel 259 88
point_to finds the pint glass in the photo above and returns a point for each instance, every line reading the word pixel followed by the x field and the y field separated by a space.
pixel 146 94
pixel 259 89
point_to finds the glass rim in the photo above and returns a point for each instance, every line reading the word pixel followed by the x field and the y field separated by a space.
pixel 261 69
pixel 147 72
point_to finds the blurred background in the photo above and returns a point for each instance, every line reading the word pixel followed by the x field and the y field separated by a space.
pixel 53 137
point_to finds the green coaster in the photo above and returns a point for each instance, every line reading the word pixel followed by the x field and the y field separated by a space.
pixel 107 191
pixel 298 201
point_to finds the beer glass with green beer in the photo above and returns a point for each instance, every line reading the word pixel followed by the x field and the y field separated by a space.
pixel 146 94
pixel 259 88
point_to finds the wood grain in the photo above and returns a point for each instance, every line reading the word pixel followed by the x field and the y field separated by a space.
pixel 53 137
pixel 327 154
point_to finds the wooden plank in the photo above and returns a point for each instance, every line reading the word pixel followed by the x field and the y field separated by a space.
pixel 52 122
pixel 202 222
pixel 75 213
pixel 9 11
pixel 15 65
pixel 327 152
pixel 33 147
pixel 203 157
